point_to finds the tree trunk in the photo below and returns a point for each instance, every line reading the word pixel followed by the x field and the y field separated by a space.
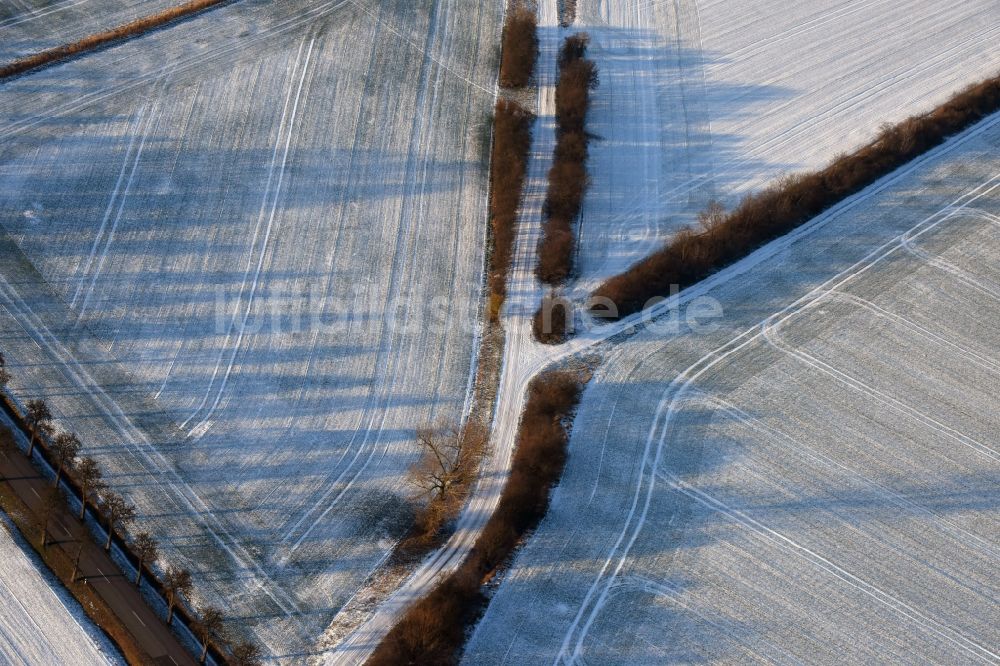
pixel 204 652
pixel 170 611
pixel 138 573
pixel 59 471
pixel 107 544
pixel 76 563
pixel 31 443
pixel 83 502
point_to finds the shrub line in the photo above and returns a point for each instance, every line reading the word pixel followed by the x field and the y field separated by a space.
pixel 568 175
pixel 508 167
pixel 434 629
pixel 723 238
pixel 98 40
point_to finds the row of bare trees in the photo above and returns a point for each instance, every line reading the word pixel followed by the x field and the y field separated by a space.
pixel 568 175
pixel 433 630
pixel 62 450
pixel 722 238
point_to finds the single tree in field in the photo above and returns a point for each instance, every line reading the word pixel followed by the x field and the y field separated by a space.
pixel 4 374
pixel 117 511
pixel 246 654
pixel 146 550
pixel 88 473
pixel 38 417
pixel 52 501
pixel 66 446
pixel 208 626
pixel 449 459
pixel 177 583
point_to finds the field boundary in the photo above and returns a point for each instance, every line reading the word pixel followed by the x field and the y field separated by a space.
pixel 96 41
pixel 724 238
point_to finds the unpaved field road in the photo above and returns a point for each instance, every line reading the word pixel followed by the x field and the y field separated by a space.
pixel 703 99
pixel 814 480
pixel 242 259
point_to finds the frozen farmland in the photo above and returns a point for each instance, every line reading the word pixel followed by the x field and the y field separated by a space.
pixel 242 258
pixel 809 478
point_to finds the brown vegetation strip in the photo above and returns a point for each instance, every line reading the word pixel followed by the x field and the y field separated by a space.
pixel 433 630
pixel 568 174
pixel 98 40
pixel 509 164
pixel 520 47
pixel 723 238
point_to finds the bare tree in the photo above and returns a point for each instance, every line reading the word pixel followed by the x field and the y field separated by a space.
pixel 79 531
pixel 449 459
pixel 146 549
pixel 713 217
pixel 66 446
pixel 177 583
pixel 208 626
pixel 76 561
pixel 88 473
pixel 38 417
pixel 246 654
pixel 117 511
pixel 52 501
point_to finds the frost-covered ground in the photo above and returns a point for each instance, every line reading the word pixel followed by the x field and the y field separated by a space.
pixel 814 480
pixel 37 625
pixel 242 258
pixel 703 99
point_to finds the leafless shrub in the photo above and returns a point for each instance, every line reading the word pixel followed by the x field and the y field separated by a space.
pixel 520 48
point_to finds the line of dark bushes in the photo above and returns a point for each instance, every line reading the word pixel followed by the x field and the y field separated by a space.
pixel 98 40
pixel 723 238
pixel 433 630
pixel 187 617
pixel 568 175
pixel 509 164
pixel 519 47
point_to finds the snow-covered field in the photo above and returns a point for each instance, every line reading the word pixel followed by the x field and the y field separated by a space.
pixel 242 258
pixel 812 479
pixel 29 26
pixel 711 98
pixel 36 625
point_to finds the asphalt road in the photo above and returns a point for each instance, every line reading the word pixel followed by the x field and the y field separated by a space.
pixel 96 567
